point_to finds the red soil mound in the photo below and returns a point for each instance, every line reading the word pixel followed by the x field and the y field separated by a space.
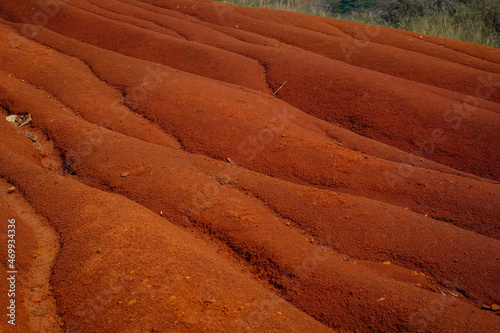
pixel 165 186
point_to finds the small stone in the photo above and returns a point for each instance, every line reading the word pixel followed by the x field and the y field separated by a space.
pixel 280 313
pixel 11 189
pixel 125 174
pixel 386 262
pixel 11 119
pixel 486 307
pixel 132 302
pixel 495 307
pixel 312 240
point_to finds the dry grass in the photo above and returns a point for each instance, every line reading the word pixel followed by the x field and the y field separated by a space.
pixel 472 21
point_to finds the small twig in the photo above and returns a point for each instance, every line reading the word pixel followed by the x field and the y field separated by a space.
pixel 449 292
pixel 281 86
pixel 102 255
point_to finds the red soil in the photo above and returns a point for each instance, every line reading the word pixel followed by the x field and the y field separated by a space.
pixel 162 185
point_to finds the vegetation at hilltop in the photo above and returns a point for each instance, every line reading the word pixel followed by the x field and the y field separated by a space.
pixel 475 21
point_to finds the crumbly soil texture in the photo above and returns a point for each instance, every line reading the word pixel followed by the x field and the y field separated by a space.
pixel 192 166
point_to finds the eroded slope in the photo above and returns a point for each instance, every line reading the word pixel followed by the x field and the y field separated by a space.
pixel 361 196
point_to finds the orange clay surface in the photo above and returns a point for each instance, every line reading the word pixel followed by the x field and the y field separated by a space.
pixel 191 166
